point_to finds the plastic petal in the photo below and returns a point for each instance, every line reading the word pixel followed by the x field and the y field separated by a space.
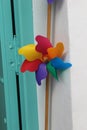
pixel 52 70
pixel 41 73
pixel 43 44
pixel 31 66
pixel 56 51
pixel 60 64
pixel 30 52
pixel 50 1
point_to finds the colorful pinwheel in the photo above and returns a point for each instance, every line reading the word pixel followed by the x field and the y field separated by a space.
pixel 43 58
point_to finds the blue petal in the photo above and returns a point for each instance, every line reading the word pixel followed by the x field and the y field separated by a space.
pixel 59 64
pixel 41 73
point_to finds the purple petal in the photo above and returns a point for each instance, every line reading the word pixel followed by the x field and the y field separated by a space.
pixel 41 73
pixel 50 1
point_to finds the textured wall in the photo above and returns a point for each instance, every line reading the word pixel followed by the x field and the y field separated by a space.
pixel 77 11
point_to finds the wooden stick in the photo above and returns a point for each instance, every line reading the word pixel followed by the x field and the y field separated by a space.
pixel 47 79
pixel 49 21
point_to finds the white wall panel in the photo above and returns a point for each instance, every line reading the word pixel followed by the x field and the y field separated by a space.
pixel 61 114
pixel 77 12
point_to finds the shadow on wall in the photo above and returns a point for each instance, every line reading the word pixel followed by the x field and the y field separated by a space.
pixel 60 3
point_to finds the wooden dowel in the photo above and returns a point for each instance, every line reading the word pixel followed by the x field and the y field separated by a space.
pixel 47 104
pixel 47 79
pixel 49 21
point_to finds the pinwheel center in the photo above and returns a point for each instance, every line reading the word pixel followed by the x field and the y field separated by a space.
pixel 45 59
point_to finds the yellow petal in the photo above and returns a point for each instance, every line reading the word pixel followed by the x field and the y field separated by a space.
pixel 30 52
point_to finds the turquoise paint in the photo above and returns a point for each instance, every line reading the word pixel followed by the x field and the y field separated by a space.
pixel 11 65
pixel 8 68
pixel 2 102
pixel 24 24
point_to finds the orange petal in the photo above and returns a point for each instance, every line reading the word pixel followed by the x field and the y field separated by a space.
pixel 56 51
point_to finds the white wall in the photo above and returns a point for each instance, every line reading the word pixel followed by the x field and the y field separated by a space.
pixel 61 114
pixel 69 103
pixel 77 11
pixel 40 18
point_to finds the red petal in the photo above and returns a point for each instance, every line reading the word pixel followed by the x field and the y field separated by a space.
pixel 43 44
pixel 30 65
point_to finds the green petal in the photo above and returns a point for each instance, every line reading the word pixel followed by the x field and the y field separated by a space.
pixel 52 70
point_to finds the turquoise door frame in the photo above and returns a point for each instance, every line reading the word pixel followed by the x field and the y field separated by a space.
pixel 2 96
pixel 16 30
pixel 8 59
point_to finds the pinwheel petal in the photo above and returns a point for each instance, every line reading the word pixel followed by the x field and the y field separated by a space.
pixel 30 52
pixel 43 44
pixel 31 66
pixel 56 51
pixel 50 1
pixel 59 64
pixel 41 73
pixel 52 70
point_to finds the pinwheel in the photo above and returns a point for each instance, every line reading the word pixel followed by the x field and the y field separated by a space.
pixel 43 58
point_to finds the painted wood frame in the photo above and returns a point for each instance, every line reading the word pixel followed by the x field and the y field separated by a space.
pixel 25 117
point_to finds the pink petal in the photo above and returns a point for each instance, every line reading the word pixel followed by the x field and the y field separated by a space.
pixel 30 65
pixel 43 44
